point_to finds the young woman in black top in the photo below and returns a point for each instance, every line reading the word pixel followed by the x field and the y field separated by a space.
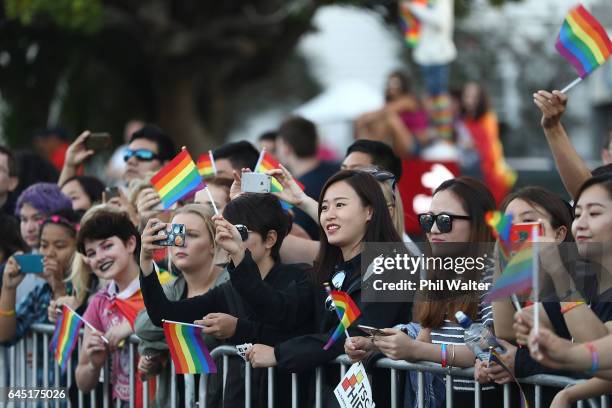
pixel 352 212
pixel 221 309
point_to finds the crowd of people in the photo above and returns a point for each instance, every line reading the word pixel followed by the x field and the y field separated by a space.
pixel 101 252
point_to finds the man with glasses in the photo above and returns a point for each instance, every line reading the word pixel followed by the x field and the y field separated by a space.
pixel 149 149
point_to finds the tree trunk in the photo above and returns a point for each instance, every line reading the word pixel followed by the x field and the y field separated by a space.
pixel 178 114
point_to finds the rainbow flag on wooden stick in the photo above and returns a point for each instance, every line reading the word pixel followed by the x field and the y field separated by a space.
pixel 583 41
pixel 177 179
pixel 66 336
pixel 206 165
pixel 347 312
pixel 187 348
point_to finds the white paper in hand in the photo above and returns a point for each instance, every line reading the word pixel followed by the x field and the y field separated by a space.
pixel 242 349
pixel 354 390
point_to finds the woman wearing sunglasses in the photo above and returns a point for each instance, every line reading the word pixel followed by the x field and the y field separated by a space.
pixel 455 227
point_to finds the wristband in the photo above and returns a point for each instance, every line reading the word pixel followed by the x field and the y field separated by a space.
pixel 569 306
pixel 443 353
pixel 7 313
pixel 594 358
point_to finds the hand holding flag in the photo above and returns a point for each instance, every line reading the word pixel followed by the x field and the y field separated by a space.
pixel 347 312
pixel 583 42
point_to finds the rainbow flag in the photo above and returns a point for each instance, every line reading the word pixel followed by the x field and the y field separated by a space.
pixel 517 276
pixel 583 41
pixel 410 25
pixel 187 348
pixel 66 336
pixel 268 162
pixel 206 165
pixel 500 224
pixel 347 312
pixel 177 179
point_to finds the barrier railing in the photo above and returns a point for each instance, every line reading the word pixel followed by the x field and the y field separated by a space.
pixel 22 370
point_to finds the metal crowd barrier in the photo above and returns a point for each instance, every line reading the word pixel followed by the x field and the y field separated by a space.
pixel 21 370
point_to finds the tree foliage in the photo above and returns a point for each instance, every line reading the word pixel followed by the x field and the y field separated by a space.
pixel 96 63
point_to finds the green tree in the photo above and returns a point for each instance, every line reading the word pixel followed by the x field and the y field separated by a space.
pixel 96 63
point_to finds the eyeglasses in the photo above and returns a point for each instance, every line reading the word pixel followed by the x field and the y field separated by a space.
pixel 140 154
pixel 444 221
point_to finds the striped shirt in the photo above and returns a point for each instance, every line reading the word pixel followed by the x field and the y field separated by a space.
pixel 451 333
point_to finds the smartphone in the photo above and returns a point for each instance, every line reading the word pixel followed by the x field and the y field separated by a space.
pixel 255 183
pixel 175 236
pixel 98 141
pixel 521 232
pixel 371 331
pixel 30 263
pixel 111 192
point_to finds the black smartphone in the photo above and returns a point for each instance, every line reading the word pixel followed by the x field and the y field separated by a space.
pixel 111 192
pixel 98 141
pixel 175 236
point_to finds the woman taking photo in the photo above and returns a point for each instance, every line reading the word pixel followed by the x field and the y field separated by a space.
pixel 198 276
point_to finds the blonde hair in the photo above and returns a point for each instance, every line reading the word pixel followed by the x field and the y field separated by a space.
pixel 81 274
pixel 393 198
pixel 203 211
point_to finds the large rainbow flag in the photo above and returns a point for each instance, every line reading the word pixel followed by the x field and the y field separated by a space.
pixel 347 312
pixel 583 41
pixel 66 336
pixel 187 348
pixel 177 179
pixel 206 165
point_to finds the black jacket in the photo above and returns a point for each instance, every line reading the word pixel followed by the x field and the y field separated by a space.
pixel 250 328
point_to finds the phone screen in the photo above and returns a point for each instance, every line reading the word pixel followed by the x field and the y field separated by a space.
pixel 98 141
pixel 30 263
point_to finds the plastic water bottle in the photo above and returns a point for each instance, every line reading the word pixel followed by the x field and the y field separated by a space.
pixel 478 337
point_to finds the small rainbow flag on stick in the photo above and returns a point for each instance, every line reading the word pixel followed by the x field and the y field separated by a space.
pixel 347 312
pixel 206 165
pixel 583 42
pixel 520 274
pixel 265 163
pixel 187 348
pixel 177 179
pixel 66 336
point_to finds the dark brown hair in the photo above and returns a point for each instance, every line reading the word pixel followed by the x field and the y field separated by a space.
pixel 379 229
pixel 476 201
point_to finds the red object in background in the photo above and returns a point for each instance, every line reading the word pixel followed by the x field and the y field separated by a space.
pixel 419 180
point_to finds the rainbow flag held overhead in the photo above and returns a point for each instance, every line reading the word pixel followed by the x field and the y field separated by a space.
pixel 187 348
pixel 65 336
pixel 347 312
pixel 177 179
pixel 583 41
pixel 206 165
pixel 517 277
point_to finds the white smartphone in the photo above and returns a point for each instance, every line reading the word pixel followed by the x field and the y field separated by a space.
pixel 255 183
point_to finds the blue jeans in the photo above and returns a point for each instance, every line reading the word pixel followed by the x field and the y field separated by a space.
pixel 436 78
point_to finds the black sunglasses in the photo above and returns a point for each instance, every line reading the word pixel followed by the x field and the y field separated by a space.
pixel 140 154
pixel 444 221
